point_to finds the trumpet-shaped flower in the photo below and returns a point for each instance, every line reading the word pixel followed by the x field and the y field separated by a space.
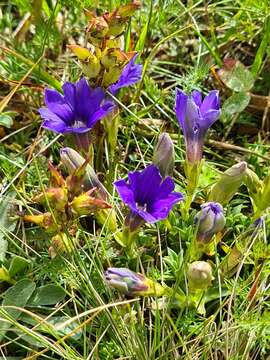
pixel 130 75
pixel 77 110
pixel 147 195
pixel 195 116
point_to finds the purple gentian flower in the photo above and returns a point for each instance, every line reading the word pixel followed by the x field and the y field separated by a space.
pixel 195 116
pixel 131 283
pixel 77 111
pixel 126 281
pixel 210 220
pixel 147 195
pixel 130 75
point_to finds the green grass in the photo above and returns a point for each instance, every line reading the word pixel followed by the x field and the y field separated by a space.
pixel 180 44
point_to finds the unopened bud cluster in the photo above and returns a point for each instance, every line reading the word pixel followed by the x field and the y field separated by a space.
pixel 67 199
pixel 102 61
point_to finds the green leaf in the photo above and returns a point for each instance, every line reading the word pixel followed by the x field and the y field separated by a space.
pixel 17 296
pixel 18 264
pixel 257 63
pixel 234 104
pixel 63 325
pixel 237 77
pixel 5 223
pixel 47 295
pixel 6 120
pixel 216 293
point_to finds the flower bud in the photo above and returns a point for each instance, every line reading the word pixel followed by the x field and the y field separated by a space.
pixel 164 155
pixel 44 220
pixel 210 220
pixel 254 186
pixel 91 67
pixel 84 204
pixel 131 283
pixel 108 59
pixel 229 183
pixel 73 160
pixel 56 197
pixel 199 275
pixel 111 75
pixel 97 26
pixel 61 243
pixel 128 9
pixel 81 52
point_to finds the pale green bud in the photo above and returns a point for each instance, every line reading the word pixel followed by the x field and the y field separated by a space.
pixel 199 275
pixel 228 184
pixel 254 186
pixel 164 155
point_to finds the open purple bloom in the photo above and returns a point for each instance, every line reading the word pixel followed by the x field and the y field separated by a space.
pixel 130 75
pixel 195 116
pixel 147 195
pixel 77 111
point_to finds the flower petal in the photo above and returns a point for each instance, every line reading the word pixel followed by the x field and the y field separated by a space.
pixel 197 97
pixel 211 116
pixel 105 109
pixel 55 102
pixel 83 105
pixel 147 216
pixel 166 187
pixel 180 108
pixel 69 90
pixel 160 209
pixel 130 75
pixel 125 193
pixel 52 121
pixel 145 184
pixel 210 102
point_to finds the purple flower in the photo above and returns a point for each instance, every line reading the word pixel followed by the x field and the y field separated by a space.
pixel 77 111
pixel 195 116
pixel 130 75
pixel 147 195
pixel 210 220
pixel 131 283
pixel 126 281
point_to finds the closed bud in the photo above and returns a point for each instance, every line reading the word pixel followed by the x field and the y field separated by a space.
pixel 81 52
pixel 116 27
pixel 111 75
pixel 254 186
pixel 131 283
pixel 61 243
pixel 85 204
pixel 129 9
pixel 228 184
pixel 56 197
pixel 97 26
pixel 199 275
pixel 109 58
pixel 210 220
pixel 73 161
pixel 91 67
pixel 164 155
pixel 44 220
